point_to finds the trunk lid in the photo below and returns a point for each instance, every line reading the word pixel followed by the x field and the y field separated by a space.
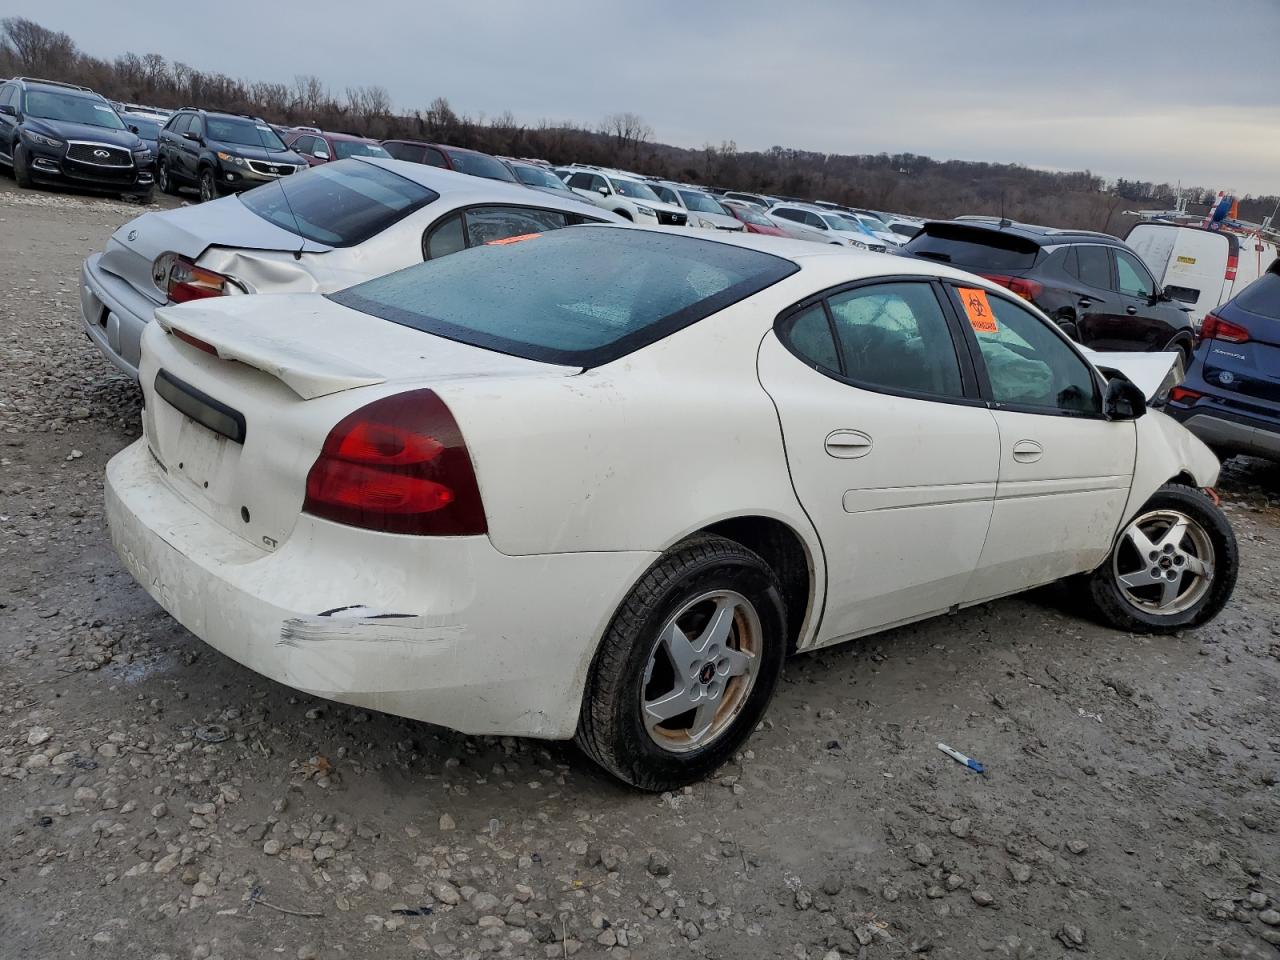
pixel 132 250
pixel 238 430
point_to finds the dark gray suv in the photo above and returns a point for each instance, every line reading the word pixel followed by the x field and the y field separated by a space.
pixel 221 153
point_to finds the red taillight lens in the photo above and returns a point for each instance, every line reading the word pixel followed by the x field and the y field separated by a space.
pixel 1026 289
pixel 1233 262
pixel 1215 328
pixel 1183 395
pixel 195 342
pixel 398 465
pixel 185 281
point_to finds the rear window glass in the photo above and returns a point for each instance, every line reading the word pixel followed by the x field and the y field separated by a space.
pixel 480 165
pixel 580 297
pixel 338 204
pixel 970 247
pixel 1262 296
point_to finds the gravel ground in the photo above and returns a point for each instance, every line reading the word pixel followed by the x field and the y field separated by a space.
pixel 158 800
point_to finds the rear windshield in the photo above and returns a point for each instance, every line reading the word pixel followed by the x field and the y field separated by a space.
pixel 973 247
pixel 580 297
pixel 338 204
pixel 1263 295
pixel 537 177
pixel 480 165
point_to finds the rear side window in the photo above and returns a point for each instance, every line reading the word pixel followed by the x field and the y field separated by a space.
pixel 809 335
pixel 580 297
pixel 480 225
pixel 974 247
pixel 404 151
pixel 338 204
pixel 1263 295
pixel 434 158
pixel 1093 266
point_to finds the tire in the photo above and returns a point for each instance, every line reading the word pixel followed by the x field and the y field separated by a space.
pixel 208 185
pixel 1179 595
pixel 703 582
pixel 164 179
pixel 22 168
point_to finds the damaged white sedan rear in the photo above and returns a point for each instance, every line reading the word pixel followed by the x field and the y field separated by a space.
pixel 598 483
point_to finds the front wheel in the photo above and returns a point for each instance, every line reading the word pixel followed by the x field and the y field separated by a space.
pixel 1173 566
pixel 22 168
pixel 164 179
pixel 208 185
pixel 687 666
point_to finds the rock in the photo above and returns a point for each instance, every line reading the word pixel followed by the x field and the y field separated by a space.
pixel 935 892
pixel 1077 847
pixel 960 827
pixel 445 892
pixel 160 810
pixel 447 822
pixel 889 893
pixel 38 735
pixel 803 899
pixel 1270 917
pixel 954 881
pixel 380 881
pixel 1020 872
pixel 920 855
pixel 832 884
pixel 982 898
pixel 659 864
pixel 307 952
pixel 485 903
pixel 272 847
pixel 1072 936
pixel 167 863
pixel 1258 900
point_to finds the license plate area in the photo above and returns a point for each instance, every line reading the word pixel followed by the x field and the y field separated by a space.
pixel 197 405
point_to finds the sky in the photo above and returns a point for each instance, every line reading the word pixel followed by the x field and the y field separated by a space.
pixel 1160 90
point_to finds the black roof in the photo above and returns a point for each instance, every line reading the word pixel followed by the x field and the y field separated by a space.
pixel 1035 233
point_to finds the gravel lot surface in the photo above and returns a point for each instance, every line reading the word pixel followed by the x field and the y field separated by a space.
pixel 158 800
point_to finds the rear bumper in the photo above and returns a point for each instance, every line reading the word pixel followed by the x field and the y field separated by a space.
pixel 1235 435
pixel 114 315
pixel 444 630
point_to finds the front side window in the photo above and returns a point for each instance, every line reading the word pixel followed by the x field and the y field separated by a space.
pixel 580 180
pixel 179 124
pixel 1030 366
pixel 303 145
pixel 7 94
pixel 49 105
pixel 579 297
pixel 813 220
pixel 795 216
pixel 404 151
pixel 1132 277
pixel 338 204
pixel 895 336
pixel 665 194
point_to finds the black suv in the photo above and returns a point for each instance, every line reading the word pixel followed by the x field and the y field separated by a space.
pixel 1093 285
pixel 58 133
pixel 221 153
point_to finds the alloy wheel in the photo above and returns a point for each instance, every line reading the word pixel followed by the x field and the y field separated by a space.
pixel 207 189
pixel 701 671
pixel 1164 562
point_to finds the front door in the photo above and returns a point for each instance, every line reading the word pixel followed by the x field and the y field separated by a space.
pixel 1065 471
pixel 892 453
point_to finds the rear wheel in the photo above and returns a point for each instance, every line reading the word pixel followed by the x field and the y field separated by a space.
pixel 208 185
pixel 1173 566
pixel 22 167
pixel 687 666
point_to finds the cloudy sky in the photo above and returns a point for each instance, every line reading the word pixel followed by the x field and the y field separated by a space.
pixel 1145 89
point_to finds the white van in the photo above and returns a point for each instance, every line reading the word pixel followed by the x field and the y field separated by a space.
pixel 1201 268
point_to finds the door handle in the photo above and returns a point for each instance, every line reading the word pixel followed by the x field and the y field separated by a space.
pixel 1131 310
pixel 1027 451
pixel 848 444
pixel 1085 303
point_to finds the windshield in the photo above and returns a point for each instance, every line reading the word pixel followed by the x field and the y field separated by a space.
pixel 358 148
pixel 579 297
pixel 842 223
pixel 48 105
pixel 747 215
pixel 246 133
pixel 480 165
pixel 147 129
pixel 701 202
pixel 338 204
pixel 537 177
pixel 633 189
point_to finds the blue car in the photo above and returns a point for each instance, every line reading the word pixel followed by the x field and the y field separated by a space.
pixel 1231 396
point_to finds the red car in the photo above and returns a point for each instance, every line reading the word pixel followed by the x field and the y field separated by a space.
pixel 318 147
pixel 752 218
pixel 451 158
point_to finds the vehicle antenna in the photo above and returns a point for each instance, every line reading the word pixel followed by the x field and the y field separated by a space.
pixel 297 227
pixel 1004 222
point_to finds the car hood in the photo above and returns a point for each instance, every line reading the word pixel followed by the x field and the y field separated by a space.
pixel 64 130
pixel 719 219
pixel 258 153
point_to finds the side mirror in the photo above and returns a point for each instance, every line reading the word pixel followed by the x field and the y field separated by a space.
pixel 1124 399
pixel 134 130
pixel 603 191
pixel 321 153
pixel 192 136
pixel 8 109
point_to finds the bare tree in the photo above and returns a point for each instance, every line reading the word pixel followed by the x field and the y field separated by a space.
pixel 36 49
pixel 628 129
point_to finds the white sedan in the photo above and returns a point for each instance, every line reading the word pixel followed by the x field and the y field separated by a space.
pixel 320 230
pixel 598 483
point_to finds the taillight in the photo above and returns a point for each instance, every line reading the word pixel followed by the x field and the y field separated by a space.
pixel 1183 395
pixel 1026 289
pixel 1233 261
pixel 1215 328
pixel 398 465
pixel 195 342
pixel 182 280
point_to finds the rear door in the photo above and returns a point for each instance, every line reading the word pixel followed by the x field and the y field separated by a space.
pixel 1064 471
pixel 892 453
pixel 1137 292
pixel 1102 317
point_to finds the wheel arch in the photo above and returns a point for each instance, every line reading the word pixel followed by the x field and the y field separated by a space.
pixel 1167 452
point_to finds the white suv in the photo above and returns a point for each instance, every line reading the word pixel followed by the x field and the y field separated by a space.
pixel 839 228
pixel 705 211
pixel 625 196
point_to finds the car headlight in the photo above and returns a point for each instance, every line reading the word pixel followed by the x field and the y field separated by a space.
pixel 229 158
pixel 41 139
pixel 859 244
pixel 706 224
pixel 647 211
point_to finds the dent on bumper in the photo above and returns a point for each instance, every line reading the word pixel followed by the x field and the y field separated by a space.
pixel 445 630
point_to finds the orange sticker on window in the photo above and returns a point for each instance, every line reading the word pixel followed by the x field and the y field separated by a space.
pixel 978 308
pixel 516 239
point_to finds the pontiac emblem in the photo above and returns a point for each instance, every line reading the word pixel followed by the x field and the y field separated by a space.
pixel 133 235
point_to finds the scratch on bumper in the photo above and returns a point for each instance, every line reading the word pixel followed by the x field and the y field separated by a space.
pixel 359 622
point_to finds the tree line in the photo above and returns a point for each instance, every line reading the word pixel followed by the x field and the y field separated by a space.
pixel 904 183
